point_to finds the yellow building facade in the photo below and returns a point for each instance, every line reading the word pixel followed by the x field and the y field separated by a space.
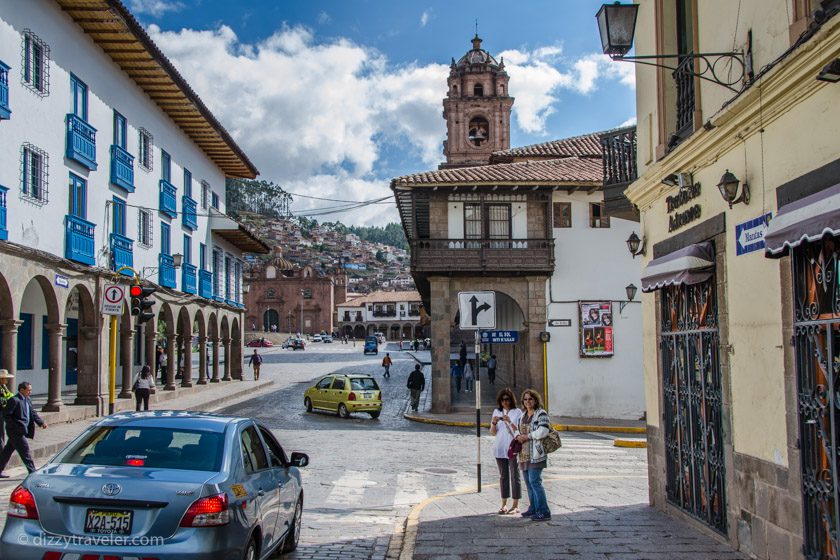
pixel 741 403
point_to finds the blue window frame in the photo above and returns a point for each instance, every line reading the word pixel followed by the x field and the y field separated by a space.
pixel 164 239
pixel 187 183
pixel 45 344
pixel 215 201
pixel 24 342
pixel 119 216
pixel 78 197
pixel 120 130
pixel 165 166
pixel 202 256
pixel 5 109
pixel 79 91
pixel 187 249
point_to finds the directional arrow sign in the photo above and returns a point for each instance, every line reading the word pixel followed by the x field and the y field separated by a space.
pixel 112 299
pixel 749 236
pixel 478 310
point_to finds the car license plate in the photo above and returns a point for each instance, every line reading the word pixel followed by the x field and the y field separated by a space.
pixel 109 522
pixel 367 395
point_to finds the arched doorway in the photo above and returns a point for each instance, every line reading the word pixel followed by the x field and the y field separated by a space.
pixel 271 320
pixel 166 335
pixel 236 350
pixel 406 332
pixel 418 332
pixel 384 330
pixel 225 330
pixel 213 335
pixel 203 349
pixel 8 358
pixel 185 344
pixel 40 332
pixel 394 333
pixel 359 331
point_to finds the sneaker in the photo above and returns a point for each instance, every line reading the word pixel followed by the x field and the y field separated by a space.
pixel 540 517
pixel 4 475
pixel 527 513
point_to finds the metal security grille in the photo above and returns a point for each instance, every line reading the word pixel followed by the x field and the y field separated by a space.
pixel 693 402
pixel 816 341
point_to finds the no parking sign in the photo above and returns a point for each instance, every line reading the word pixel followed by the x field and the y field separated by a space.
pixel 112 299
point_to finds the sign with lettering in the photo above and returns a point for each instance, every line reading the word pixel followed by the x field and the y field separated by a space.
pixel 559 322
pixel 112 299
pixel 749 236
pixel 676 219
pixel 62 281
pixel 499 337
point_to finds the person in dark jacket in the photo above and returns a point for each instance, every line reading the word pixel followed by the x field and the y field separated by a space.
pixel 416 384
pixel 20 419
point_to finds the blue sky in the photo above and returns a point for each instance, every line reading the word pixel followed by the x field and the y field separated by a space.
pixel 334 98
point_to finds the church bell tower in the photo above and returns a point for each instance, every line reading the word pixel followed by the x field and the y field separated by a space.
pixel 477 109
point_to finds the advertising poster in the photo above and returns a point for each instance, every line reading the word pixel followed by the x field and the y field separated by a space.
pixel 596 329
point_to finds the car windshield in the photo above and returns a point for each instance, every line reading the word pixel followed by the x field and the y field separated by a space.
pixel 162 448
pixel 363 384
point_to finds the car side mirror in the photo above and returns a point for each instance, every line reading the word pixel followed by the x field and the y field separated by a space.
pixel 299 460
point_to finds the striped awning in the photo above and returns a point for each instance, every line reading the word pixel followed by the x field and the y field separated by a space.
pixel 807 219
pixel 689 265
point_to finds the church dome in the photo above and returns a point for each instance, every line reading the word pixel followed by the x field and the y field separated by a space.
pixel 477 57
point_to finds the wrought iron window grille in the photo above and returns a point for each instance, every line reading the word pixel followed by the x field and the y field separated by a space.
pixel 145 228
pixel 34 179
pixel 145 149
pixel 35 62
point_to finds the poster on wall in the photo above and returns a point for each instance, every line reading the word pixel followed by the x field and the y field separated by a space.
pixel 596 329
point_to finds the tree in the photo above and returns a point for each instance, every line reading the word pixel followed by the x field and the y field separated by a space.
pixel 380 256
pixel 259 197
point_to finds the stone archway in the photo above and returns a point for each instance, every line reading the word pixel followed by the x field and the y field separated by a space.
pixel 236 350
pixel 359 332
pixel 394 333
pixel 271 318
pixel 213 337
pixel 407 332
pixel 200 331
pixel 165 330
pixel 184 361
pixel 81 349
pixel 226 343
pixel 39 349
pixel 8 328
pixel 418 332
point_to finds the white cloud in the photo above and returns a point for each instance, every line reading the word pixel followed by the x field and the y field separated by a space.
pixel 155 8
pixel 629 122
pixel 424 18
pixel 323 18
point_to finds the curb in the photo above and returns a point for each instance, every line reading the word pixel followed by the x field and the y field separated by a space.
pixel 558 427
pixel 631 443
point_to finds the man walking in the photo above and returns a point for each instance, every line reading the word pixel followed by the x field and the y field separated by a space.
pixel 491 369
pixel 255 362
pixel 20 425
pixel 163 360
pixel 5 395
pixel 386 363
pixel 416 384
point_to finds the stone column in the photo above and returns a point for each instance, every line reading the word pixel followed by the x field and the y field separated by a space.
pixel 215 342
pixel 186 351
pixel 93 351
pixel 126 361
pixel 173 363
pixel 56 334
pixel 202 360
pixel 151 346
pixel 10 331
pixel 441 318
pixel 226 343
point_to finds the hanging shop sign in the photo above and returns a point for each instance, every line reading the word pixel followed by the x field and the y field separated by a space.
pixel 679 218
pixel 596 329
pixel 749 236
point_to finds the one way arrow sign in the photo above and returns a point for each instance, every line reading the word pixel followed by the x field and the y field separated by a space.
pixel 478 310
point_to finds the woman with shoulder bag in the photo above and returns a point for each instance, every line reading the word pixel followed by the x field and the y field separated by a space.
pixel 503 425
pixel 533 428
pixel 143 386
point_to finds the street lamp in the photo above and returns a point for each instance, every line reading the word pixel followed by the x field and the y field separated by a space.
pixel 728 187
pixel 617 25
pixel 630 290
pixel 635 245
pixel 177 260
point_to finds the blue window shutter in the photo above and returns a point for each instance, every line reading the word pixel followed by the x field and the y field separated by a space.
pixel 24 342
pixel 45 345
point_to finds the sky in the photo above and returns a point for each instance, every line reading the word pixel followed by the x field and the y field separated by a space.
pixel 334 98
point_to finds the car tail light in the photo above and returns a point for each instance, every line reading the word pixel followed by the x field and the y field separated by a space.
pixel 352 397
pixel 52 556
pixel 379 396
pixel 207 512
pixel 135 461
pixel 22 504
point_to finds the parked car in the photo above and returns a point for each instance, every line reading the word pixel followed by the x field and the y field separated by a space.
pixel 316 338
pixel 326 338
pixel 163 484
pixel 345 394
pixel 260 343
pixel 297 344
pixel 371 345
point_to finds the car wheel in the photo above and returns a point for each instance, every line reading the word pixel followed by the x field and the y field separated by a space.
pixel 375 415
pixel 308 404
pixel 291 541
pixel 342 411
pixel 250 550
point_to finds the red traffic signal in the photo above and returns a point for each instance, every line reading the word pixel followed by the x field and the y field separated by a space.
pixel 140 304
pixel 136 291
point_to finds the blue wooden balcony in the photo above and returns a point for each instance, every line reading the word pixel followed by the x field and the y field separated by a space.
pixel 5 110
pixel 4 230
pixel 122 168
pixel 205 284
pixel 122 253
pixel 78 241
pixel 189 278
pixel 81 142
pixel 168 199
pixel 166 271
pixel 188 217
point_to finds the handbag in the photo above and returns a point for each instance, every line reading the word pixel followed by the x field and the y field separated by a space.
pixel 551 442
pixel 136 385
pixel 513 449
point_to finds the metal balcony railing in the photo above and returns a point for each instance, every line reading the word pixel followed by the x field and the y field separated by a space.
pixel 495 256
pixel 166 271
pixel 189 278
pixel 78 241
pixel 4 231
pixel 619 156
pixel 188 213
pixel 122 253
pixel 168 199
pixel 5 110
pixel 684 76
pixel 122 168
pixel 81 142
pixel 205 284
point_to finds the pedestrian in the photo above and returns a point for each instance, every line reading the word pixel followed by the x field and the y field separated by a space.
pixel 386 363
pixel 533 427
pixel 469 378
pixel 491 369
pixel 416 344
pixel 457 375
pixel 416 384
pixel 255 362
pixel 143 386
pixel 163 359
pixel 20 420
pixel 5 395
pixel 462 355
pixel 503 425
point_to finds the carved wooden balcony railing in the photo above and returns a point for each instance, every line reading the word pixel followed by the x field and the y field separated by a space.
pixel 483 256
pixel 619 171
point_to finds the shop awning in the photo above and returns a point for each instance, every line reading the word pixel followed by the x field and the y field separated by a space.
pixel 807 219
pixel 689 265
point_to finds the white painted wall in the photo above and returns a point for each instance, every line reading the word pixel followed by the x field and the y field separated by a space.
pixel 594 265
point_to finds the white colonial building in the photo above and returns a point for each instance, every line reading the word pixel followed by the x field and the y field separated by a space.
pixel 109 159
pixel 397 315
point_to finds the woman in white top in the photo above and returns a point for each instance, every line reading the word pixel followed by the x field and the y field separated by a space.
pixel 143 386
pixel 503 425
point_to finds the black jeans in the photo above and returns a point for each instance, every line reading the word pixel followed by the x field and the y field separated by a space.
pixel 509 479
pixel 142 395
pixel 491 374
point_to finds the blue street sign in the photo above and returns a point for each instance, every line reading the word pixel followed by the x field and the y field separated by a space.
pixel 499 337
pixel 749 236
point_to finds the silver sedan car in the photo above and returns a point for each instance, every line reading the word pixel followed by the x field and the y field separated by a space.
pixel 160 485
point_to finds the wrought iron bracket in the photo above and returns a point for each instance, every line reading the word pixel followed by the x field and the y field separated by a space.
pixel 709 68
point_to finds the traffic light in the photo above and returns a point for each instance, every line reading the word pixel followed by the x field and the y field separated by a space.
pixel 140 304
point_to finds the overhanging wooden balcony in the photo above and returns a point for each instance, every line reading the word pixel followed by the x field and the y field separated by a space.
pixel 504 257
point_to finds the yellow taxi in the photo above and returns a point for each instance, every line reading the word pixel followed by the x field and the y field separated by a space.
pixel 353 392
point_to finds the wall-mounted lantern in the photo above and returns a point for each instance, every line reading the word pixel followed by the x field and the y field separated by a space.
pixel 630 290
pixel 635 245
pixel 728 187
